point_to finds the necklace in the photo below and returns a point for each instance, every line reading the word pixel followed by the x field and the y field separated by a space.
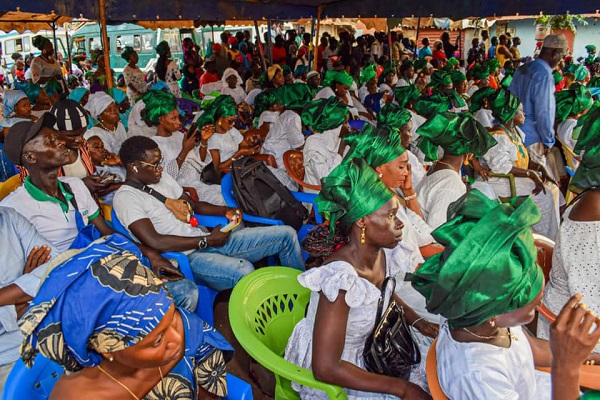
pixel 510 335
pixel 125 387
pixel 106 128
pixel 448 165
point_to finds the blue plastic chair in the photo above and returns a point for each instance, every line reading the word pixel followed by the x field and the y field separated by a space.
pixel 36 383
pixel 357 124
pixel 206 295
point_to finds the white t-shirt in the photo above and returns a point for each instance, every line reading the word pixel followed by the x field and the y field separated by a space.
pixel 47 215
pixel 226 143
pixel 132 205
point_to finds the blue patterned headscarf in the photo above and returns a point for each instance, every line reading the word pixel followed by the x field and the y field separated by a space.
pixel 11 98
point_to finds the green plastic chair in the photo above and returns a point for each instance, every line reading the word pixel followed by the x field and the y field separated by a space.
pixel 264 307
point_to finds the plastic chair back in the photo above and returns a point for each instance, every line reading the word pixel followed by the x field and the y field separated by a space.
pixel 545 250
pixel 9 186
pixel 357 124
pixel 263 309
pixel 293 160
pixel 432 377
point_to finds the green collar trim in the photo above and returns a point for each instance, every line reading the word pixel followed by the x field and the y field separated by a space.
pixel 39 195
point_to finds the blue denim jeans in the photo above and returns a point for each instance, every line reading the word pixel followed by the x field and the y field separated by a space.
pixel 184 292
pixel 222 267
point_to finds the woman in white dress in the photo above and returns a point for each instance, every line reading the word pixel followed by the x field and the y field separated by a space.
pixel 458 135
pixel 486 284
pixel 167 70
pixel 480 106
pixel 345 291
pixel 109 128
pixel 510 155
pixel 232 85
pixel 133 75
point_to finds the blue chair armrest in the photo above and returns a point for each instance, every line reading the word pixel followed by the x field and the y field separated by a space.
pixel 261 220
pixel 238 389
pixel 210 221
pixel 309 198
pixel 182 260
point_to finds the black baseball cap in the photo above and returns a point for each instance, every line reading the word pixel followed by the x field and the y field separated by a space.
pixel 21 133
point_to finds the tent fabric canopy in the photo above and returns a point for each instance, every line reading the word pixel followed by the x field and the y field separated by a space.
pixel 34 22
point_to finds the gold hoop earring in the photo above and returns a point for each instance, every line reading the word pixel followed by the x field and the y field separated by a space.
pixel 380 175
pixel 363 235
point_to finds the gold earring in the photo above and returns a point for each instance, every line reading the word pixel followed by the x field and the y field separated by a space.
pixel 493 323
pixel 363 236
pixel 111 359
pixel 380 175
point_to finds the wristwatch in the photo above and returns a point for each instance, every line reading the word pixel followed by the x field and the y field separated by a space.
pixel 203 243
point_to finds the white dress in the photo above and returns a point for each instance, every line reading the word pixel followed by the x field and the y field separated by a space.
pixel 476 371
pixel 172 78
pixel 190 175
pixel 361 296
pixel 575 269
pixel 170 147
pixel 226 143
pixel 485 118
pixel 284 134
pixel 112 140
pixel 564 131
pixel 435 193
pixel 134 77
pixel 321 156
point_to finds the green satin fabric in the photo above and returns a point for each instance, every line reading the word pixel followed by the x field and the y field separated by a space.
pixel 293 97
pixel 158 103
pixel 367 73
pixel 222 107
pixel 351 191
pixel 457 77
pixel 386 71
pixel 579 70
pixel 493 65
pixel 558 77
pixel 508 77
pixel 324 114
pixel 488 266
pixel 439 102
pixel 393 117
pixel 572 101
pixel 504 105
pixel 263 101
pixel 452 62
pixel 440 78
pixel 337 76
pixel 478 98
pixel 480 72
pixel 162 48
pixel 457 134
pixel 377 146
pixel 594 82
pixel 404 94
pixel 588 172
pixel 420 64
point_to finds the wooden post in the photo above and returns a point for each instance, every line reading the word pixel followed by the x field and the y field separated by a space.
pixel 318 36
pixel 105 43
pixel 417 39
pixel 269 43
pixel 261 50
pixel 311 54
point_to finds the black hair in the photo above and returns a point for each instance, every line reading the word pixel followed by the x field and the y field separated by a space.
pixel 134 149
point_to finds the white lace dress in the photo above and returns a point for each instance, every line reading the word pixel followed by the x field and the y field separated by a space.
pixel 361 296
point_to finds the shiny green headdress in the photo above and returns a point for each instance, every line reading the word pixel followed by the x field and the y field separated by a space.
pixel 456 133
pixel 588 173
pixel 32 90
pixel 572 101
pixel 293 97
pixel 590 48
pixel 393 117
pixel 428 106
pixel 367 73
pixel 158 103
pixel 452 62
pixel 384 74
pixel 127 53
pixel 480 72
pixel 440 78
pixel 457 77
pixel 377 146
pixel 594 82
pixel 222 107
pixel 508 77
pixel 488 266
pixel 579 70
pixel 337 76
pixel 493 65
pixel 478 97
pixel 263 101
pixel 162 48
pixel 420 64
pixel 350 192
pixel 324 114
pixel 404 94
pixel 558 77
pixel 504 105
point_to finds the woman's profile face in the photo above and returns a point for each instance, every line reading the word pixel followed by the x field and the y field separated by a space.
pixel 406 134
pixel 23 108
pixel 278 79
pixel 160 347
pixel 383 228
pixel 341 90
pixel 171 121
pixel 226 123
pixel 520 316
pixel 519 118
pixel 393 174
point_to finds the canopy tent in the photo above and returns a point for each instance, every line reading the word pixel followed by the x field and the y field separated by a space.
pixel 34 22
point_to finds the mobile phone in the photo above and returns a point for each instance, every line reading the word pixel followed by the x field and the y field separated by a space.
pixel 231 225
pixel 193 129
pixel 108 178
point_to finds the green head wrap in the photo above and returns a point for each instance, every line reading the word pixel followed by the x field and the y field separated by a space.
pixel 293 97
pixel 579 70
pixel 572 101
pixel 367 73
pixel 590 47
pixel 456 133
pixel 480 72
pixel 39 41
pixel 504 105
pixel 32 91
pixel 493 65
pixel 508 77
pixel 158 103
pixel 337 76
pixel 420 64
pixel 52 87
pixel 222 107
pixel 478 97
pixel 588 172
pixel 377 146
pixel 324 114
pixel 452 62
pixel 127 52
pixel 350 192
pixel 457 77
pixel 439 102
pixel 404 94
pixel 263 101
pixel 488 267
pixel 440 78
pixel 162 49
pixel 558 77
pixel 388 70
pixel 594 82
pixel 393 117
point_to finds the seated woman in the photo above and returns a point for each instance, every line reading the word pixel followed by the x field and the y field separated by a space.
pixel 487 285
pixel 338 84
pixel 345 291
pixel 232 85
pixel 324 149
pixel 387 80
pixel 122 101
pixel 405 97
pixel 108 165
pixel 510 155
pixel 458 135
pixel 480 107
pixel 108 320
pixel 108 128
pixel 16 109
pixel 481 78
pixel 576 254
pixel 571 104
pixel 443 99
pixel 39 99
pixel 368 76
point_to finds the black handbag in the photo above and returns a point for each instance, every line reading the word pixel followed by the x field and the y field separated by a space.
pixel 211 175
pixel 391 349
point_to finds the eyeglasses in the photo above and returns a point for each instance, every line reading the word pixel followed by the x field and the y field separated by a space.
pixel 154 166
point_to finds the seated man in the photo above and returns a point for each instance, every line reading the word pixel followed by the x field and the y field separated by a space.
pixel 217 259
pixel 22 251
pixel 50 203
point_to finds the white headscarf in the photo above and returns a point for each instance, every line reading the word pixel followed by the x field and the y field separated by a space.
pixel 97 103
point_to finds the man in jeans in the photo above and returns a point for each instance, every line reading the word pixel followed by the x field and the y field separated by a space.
pixel 533 84
pixel 218 260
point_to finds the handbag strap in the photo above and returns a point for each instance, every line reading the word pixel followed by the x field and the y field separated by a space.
pixel 146 189
pixel 384 286
pixel 78 217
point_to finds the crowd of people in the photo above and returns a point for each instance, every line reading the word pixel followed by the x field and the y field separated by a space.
pixel 428 169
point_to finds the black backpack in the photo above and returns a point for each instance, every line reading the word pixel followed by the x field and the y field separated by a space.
pixel 259 192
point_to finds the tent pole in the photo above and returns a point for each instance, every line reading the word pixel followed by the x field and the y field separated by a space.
pixel 318 37
pixel 54 37
pixel 269 42
pixel 261 50
pixel 106 44
pixel 66 26
pixel 417 39
pixel 312 35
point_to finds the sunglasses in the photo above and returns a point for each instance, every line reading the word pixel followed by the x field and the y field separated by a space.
pixel 154 166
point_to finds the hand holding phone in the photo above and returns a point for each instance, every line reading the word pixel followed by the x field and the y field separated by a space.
pixel 231 225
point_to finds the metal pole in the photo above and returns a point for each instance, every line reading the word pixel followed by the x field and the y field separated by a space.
pixel 417 38
pixel 269 42
pixel 105 43
pixel 317 38
pixel 261 50
pixel 312 35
